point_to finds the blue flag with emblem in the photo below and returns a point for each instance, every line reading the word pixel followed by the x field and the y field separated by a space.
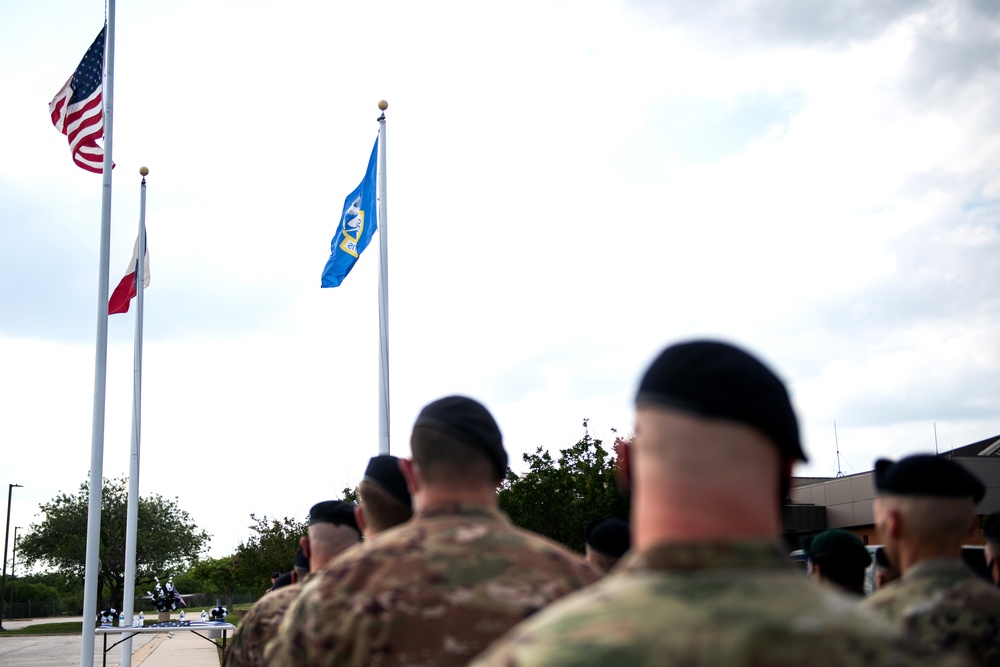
pixel 358 223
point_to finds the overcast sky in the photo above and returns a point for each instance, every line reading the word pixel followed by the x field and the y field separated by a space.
pixel 571 187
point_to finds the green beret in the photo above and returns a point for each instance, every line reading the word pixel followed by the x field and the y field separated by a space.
pixel 927 475
pixel 837 545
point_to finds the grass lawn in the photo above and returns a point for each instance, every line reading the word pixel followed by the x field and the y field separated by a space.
pixel 65 628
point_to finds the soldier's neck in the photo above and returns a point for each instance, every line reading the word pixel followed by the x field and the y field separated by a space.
pixel 912 554
pixel 431 496
pixel 697 513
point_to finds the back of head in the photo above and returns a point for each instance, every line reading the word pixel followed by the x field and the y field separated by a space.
pixel 457 443
pixel 385 498
pixel 607 541
pixel 332 529
pixel 712 423
pixel 935 496
pixel 840 558
pixel 716 380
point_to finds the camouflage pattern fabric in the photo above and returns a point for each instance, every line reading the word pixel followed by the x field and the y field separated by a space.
pixel 434 591
pixel 733 604
pixel 258 626
pixel 944 604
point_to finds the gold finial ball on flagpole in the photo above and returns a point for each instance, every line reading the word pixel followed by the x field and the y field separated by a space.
pixel 143 171
pixel 383 105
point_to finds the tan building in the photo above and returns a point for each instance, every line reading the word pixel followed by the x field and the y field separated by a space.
pixel 818 503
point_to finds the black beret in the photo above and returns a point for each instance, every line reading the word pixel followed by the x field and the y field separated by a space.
pixel 383 471
pixel 337 512
pixel 609 536
pixel 991 529
pixel 927 475
pixel 275 575
pixel 881 559
pixel 301 560
pixel 282 581
pixel 718 381
pixel 838 545
pixel 468 421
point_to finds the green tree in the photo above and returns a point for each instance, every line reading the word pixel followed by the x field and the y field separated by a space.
pixel 68 588
pixel 559 497
pixel 166 538
pixel 213 576
pixel 271 548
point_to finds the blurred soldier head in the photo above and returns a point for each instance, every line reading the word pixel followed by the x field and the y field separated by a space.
pixel 714 445
pixel 838 557
pixel 458 454
pixel 607 541
pixel 925 507
pixel 332 529
pixel 885 571
pixel 992 551
pixel 385 500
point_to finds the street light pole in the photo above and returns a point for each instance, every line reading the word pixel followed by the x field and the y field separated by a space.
pixel 13 560
pixel 6 536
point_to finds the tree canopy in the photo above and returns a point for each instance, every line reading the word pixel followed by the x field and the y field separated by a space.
pixel 166 538
pixel 271 548
pixel 559 497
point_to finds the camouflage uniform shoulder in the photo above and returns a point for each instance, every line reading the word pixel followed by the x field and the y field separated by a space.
pixel 259 626
pixel 693 605
pixel 945 605
pixel 435 591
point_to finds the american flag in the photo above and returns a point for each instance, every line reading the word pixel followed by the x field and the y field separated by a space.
pixel 78 111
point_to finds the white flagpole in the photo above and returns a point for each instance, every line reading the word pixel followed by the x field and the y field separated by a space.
pixel 92 564
pixel 132 521
pixel 383 293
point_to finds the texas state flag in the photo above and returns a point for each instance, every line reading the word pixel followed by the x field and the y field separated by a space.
pixel 120 298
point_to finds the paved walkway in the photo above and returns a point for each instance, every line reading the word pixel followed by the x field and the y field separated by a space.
pixel 181 648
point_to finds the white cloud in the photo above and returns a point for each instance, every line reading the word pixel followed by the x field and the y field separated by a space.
pixel 571 187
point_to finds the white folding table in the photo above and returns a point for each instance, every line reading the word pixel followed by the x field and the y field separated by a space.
pixel 197 627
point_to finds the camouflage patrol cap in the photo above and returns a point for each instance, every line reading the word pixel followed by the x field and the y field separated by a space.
pixel 716 380
pixel 468 421
pixel 336 512
pixel 383 471
pixel 837 545
pixel 609 536
pixel 927 475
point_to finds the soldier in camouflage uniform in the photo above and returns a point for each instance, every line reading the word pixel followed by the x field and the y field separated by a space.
pixel 438 589
pixel 924 509
pixel 332 529
pixel 707 582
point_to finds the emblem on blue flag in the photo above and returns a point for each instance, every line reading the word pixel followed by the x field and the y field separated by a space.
pixel 358 223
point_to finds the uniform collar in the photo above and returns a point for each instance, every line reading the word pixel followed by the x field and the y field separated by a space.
pixel 755 554
pixel 448 509
pixel 932 566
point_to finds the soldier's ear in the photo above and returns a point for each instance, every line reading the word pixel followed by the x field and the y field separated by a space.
pixel 359 518
pixel 893 523
pixel 304 543
pixel 407 467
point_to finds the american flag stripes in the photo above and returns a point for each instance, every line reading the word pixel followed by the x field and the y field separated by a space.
pixel 78 110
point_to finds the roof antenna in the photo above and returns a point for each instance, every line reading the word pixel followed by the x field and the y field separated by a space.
pixel 839 472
